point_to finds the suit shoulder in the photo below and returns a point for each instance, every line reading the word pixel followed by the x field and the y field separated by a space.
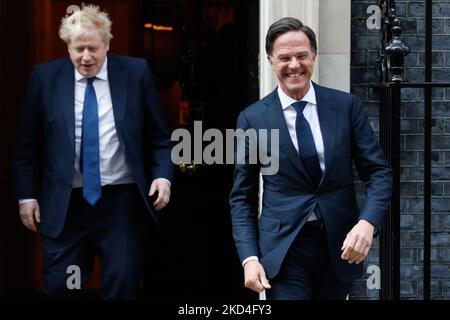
pixel 134 62
pixel 335 92
pixel 257 107
pixel 51 66
pixel 337 95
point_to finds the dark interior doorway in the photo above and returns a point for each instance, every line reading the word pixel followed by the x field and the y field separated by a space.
pixel 206 69
pixel 204 55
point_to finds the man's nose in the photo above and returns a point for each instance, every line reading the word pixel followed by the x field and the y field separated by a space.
pixel 294 63
pixel 86 55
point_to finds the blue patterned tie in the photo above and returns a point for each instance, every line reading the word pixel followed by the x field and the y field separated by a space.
pixel 92 188
pixel 306 146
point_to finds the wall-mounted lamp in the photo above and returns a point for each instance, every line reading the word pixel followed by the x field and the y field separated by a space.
pixel 157 28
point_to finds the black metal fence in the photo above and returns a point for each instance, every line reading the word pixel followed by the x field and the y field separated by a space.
pixel 390 65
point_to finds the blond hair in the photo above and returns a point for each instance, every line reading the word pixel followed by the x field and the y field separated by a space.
pixel 89 17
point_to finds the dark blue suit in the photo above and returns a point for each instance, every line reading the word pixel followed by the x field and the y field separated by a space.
pixel 289 196
pixel 46 141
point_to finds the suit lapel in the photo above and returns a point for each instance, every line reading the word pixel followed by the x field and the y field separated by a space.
pixel 328 119
pixel 65 87
pixel 117 76
pixel 275 120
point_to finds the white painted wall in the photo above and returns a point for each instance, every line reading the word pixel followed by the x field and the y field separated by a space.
pixel 334 35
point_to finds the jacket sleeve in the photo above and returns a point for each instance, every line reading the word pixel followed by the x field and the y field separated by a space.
pixel 158 134
pixel 244 195
pixel 26 153
pixel 371 165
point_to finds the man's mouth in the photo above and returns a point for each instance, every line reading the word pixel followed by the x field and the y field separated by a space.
pixel 295 75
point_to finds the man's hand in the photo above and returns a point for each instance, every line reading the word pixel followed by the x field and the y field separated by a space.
pixel 255 276
pixel 358 242
pixel 30 215
pixel 163 189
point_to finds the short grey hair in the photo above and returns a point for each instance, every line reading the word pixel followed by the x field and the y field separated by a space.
pixel 88 17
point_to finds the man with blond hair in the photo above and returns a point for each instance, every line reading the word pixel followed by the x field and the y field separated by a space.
pixel 92 132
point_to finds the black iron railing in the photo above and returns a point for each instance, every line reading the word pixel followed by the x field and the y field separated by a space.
pixel 390 65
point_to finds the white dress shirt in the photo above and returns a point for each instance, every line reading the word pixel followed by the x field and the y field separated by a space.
pixel 113 167
pixel 311 115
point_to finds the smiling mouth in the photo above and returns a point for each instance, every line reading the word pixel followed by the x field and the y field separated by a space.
pixel 295 75
pixel 87 65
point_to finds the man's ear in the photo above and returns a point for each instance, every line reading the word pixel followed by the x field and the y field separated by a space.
pixel 269 58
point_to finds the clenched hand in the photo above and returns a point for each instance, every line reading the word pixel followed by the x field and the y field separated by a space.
pixel 357 244
pixel 30 215
pixel 163 188
pixel 255 276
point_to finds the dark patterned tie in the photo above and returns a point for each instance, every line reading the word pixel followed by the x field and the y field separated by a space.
pixel 306 145
pixel 307 149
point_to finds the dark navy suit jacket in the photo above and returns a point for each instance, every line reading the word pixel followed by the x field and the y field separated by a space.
pixel 289 195
pixel 45 146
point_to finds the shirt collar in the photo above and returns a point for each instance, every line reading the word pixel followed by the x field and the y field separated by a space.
pixel 286 101
pixel 103 73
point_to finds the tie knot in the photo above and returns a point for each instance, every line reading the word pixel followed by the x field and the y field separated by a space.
pixel 299 106
pixel 90 80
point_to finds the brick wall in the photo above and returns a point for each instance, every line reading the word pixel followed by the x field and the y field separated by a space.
pixel 364 56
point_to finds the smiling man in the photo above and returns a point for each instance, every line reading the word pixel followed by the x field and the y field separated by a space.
pixel 92 132
pixel 311 238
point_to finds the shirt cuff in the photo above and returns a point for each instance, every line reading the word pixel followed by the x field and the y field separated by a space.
pixel 164 179
pixel 22 201
pixel 251 258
